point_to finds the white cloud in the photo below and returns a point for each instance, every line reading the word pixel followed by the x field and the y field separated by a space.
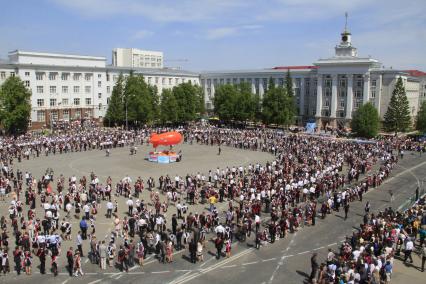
pixel 159 11
pixel 222 32
pixel 142 34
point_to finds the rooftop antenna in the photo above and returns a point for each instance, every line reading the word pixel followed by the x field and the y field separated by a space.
pixel 346 21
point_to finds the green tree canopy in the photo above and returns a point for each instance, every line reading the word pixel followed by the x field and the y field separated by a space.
pixel 15 106
pixel 397 117
pixel 190 101
pixel 168 107
pixel 421 118
pixel 225 99
pixel 277 106
pixel 115 112
pixel 365 121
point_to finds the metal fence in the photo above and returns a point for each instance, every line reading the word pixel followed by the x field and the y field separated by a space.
pixel 414 197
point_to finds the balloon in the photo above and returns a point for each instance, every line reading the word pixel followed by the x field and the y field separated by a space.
pixel 165 139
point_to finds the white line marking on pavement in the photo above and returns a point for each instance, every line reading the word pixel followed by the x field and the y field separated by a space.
pixel 182 280
pixel 119 276
pixel 270 259
pixel 182 270
pixel 66 281
pixel 318 248
pixel 86 261
pixel 96 281
pixel 210 259
pixel 249 263
pixel 229 266
pixel 303 252
pixel 333 244
pixel 136 273
pixel 164 271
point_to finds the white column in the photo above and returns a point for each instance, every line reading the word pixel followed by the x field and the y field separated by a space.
pixel 378 93
pixel 212 89
pixel 366 91
pixel 261 90
pixel 302 97
pixel 253 87
pixel 333 107
pixel 350 97
pixel 319 96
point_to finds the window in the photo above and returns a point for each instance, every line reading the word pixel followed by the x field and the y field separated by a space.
pixel 12 74
pixel 52 89
pixel 99 76
pixel 373 83
pixel 342 103
pixel 76 89
pixel 52 76
pixel 115 78
pixel 176 81
pixel 40 102
pixel 88 101
pixel 65 89
pixel 343 83
pixel 27 74
pixel 78 113
pixel 2 75
pixel 66 114
pixel 99 95
pixel 27 83
pixel 99 84
pixel 52 102
pixel 41 117
pixel 87 77
pixel 170 81
pixel 54 115
pixel 327 103
pixel 64 76
pixel 373 93
pixel 100 106
pixel 108 89
pixel 156 80
pixel 64 102
pixel 87 89
pixel 39 76
pixel 107 101
pixel 358 93
pixel 77 101
pixel 40 89
pixel 163 81
pixel 76 77
pixel 359 83
pixel 107 77
pixel 149 80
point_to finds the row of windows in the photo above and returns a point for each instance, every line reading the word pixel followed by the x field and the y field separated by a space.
pixel 76 89
pixel 53 76
pixel 54 115
pixel 3 75
pixel 64 102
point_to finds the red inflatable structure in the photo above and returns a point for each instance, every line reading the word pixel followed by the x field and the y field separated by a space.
pixel 165 139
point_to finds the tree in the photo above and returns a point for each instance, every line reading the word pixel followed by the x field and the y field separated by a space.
pixel 190 101
pixel 15 106
pixel 244 103
pixel 421 118
pixel 397 117
pixel 278 105
pixel 115 114
pixel 365 121
pixel 141 100
pixel 224 102
pixel 289 84
pixel 168 107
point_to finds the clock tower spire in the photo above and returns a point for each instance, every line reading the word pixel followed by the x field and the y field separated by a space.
pixel 345 47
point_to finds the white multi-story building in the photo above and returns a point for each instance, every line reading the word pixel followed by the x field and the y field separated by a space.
pixel 133 57
pixel 72 87
pixel 330 90
pixel 67 87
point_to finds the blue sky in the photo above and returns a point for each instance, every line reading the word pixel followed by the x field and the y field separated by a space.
pixel 219 34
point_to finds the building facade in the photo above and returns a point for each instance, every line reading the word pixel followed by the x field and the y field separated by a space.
pixel 133 57
pixel 73 87
pixel 331 89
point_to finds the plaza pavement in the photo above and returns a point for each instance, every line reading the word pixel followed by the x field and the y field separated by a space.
pixel 286 261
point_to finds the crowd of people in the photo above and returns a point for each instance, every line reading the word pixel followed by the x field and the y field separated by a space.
pixel 368 255
pixel 307 176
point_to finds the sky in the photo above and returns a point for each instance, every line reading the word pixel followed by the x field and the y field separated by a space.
pixel 219 34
